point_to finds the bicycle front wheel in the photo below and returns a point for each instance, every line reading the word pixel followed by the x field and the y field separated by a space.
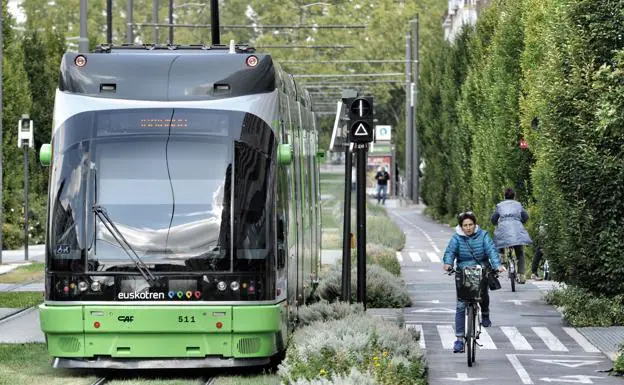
pixel 470 335
pixel 512 278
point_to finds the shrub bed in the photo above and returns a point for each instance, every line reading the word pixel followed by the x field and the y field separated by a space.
pixel 383 290
pixel 326 352
pixel 354 377
pixel 618 366
pixel 325 311
pixel 581 308
pixel 381 255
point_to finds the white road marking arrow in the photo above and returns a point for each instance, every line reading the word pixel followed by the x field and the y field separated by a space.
pixel 576 379
pixel 463 377
pixel 516 301
pixel 568 363
pixel 434 310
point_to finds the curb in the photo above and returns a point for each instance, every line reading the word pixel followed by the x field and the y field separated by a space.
pixel 16 314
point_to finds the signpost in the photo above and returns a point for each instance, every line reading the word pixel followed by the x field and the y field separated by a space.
pixel 25 140
pixel 360 123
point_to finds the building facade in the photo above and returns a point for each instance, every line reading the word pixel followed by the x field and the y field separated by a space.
pixel 460 13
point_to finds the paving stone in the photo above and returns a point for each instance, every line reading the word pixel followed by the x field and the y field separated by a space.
pixel 607 339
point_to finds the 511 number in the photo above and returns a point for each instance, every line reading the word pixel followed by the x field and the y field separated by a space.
pixel 186 318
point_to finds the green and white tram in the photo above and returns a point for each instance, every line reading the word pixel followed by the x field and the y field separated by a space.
pixel 184 220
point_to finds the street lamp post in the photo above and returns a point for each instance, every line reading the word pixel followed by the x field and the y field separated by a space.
pixel 25 140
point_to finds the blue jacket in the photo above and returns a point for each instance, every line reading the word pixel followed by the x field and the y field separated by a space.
pixel 482 248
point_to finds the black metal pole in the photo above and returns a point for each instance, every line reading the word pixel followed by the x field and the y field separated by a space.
pixel 83 43
pixel 155 32
pixel 109 21
pixel 129 32
pixel 346 232
pixel 214 21
pixel 361 224
pixel 171 21
pixel 25 202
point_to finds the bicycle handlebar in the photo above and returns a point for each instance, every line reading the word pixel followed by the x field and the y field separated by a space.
pixel 452 271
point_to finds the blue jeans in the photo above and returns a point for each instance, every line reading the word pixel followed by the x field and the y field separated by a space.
pixel 382 191
pixel 460 311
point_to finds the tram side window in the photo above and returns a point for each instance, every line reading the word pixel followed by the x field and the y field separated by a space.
pixel 251 214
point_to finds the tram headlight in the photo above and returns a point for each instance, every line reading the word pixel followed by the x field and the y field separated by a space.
pixel 96 286
pixel 234 286
pixel 83 286
pixel 221 286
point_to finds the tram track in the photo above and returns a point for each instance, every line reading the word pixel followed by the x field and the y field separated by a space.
pixel 208 381
pixel 16 314
pixel 101 381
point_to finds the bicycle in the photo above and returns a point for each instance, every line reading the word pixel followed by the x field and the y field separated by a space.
pixel 510 256
pixel 546 270
pixel 470 293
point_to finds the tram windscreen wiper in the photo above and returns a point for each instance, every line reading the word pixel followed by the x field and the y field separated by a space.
pixel 121 240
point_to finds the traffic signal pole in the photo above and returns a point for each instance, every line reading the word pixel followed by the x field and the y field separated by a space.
pixel 346 231
pixel 361 222
pixel 360 111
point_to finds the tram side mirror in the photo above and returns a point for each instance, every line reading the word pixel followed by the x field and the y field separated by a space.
pixel 284 153
pixel 320 156
pixel 45 154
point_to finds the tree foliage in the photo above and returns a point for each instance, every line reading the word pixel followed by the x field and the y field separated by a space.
pixel 33 52
pixel 551 72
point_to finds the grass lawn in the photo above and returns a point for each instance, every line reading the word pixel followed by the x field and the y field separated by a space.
pixel 269 379
pixel 28 273
pixel 20 299
pixel 380 228
pixel 28 364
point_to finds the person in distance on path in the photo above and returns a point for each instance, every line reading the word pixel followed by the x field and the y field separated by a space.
pixel 471 245
pixel 382 178
pixel 509 219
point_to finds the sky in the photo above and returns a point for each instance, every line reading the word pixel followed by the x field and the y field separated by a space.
pixel 15 11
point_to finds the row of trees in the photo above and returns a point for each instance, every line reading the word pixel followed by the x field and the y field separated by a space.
pixel 33 49
pixel 550 72
pixel 30 70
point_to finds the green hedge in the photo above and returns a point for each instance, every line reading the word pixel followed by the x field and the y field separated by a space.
pixel 551 72
pixel 581 308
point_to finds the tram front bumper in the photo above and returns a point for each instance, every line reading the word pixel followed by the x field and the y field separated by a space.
pixel 142 363
pixel 209 335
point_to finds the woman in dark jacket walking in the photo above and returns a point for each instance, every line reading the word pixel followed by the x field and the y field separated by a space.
pixel 509 219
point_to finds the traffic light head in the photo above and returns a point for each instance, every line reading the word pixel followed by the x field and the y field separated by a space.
pixel 360 112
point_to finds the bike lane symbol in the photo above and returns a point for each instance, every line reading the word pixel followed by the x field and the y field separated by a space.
pixel 575 379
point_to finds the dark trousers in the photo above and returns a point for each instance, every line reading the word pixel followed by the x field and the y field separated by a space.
pixel 537 258
pixel 519 256
pixel 460 310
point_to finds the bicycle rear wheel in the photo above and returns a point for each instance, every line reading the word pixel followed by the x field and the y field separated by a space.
pixel 512 270
pixel 475 325
pixel 470 329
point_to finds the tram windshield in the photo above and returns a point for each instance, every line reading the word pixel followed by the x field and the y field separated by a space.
pixel 164 178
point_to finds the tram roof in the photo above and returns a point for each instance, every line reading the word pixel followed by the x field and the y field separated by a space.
pixel 167 73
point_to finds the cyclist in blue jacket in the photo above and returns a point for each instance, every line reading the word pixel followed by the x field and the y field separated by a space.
pixel 471 245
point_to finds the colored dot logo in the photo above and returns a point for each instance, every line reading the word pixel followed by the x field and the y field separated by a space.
pixel 180 294
pixel 171 294
pixel 189 294
pixel 198 294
